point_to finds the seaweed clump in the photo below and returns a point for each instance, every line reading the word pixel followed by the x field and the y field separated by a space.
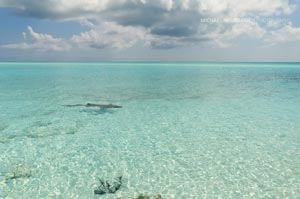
pixel 106 187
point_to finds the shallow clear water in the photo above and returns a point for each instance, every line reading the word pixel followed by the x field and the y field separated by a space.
pixel 186 131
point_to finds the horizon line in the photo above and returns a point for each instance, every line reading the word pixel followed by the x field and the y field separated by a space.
pixel 248 62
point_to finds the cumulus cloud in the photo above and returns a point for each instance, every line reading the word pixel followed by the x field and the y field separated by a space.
pixel 285 34
pixel 91 8
pixel 156 23
pixel 249 30
pixel 39 42
pixel 87 23
pixel 111 35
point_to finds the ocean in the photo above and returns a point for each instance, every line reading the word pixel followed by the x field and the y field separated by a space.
pixel 185 130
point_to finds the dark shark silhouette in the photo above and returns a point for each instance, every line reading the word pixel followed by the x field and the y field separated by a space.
pixel 102 106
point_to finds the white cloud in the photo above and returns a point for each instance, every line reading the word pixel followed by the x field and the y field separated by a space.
pixel 261 7
pixel 39 42
pixel 285 34
pixel 92 8
pixel 249 30
pixel 87 23
pixel 155 23
pixel 111 35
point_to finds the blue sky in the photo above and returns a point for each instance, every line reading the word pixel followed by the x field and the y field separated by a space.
pixel 149 30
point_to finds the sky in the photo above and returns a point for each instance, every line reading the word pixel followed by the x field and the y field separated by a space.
pixel 150 30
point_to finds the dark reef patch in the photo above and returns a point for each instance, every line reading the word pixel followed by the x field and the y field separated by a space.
pixel 108 187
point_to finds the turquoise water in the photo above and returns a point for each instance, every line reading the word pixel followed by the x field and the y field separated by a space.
pixel 186 130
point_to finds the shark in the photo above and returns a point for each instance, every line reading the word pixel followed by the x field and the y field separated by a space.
pixel 101 106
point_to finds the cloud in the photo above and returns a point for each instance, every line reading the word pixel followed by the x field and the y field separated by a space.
pixel 87 23
pixel 155 23
pixel 250 30
pixel 111 35
pixel 66 9
pixel 285 34
pixel 39 42
pixel 56 9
